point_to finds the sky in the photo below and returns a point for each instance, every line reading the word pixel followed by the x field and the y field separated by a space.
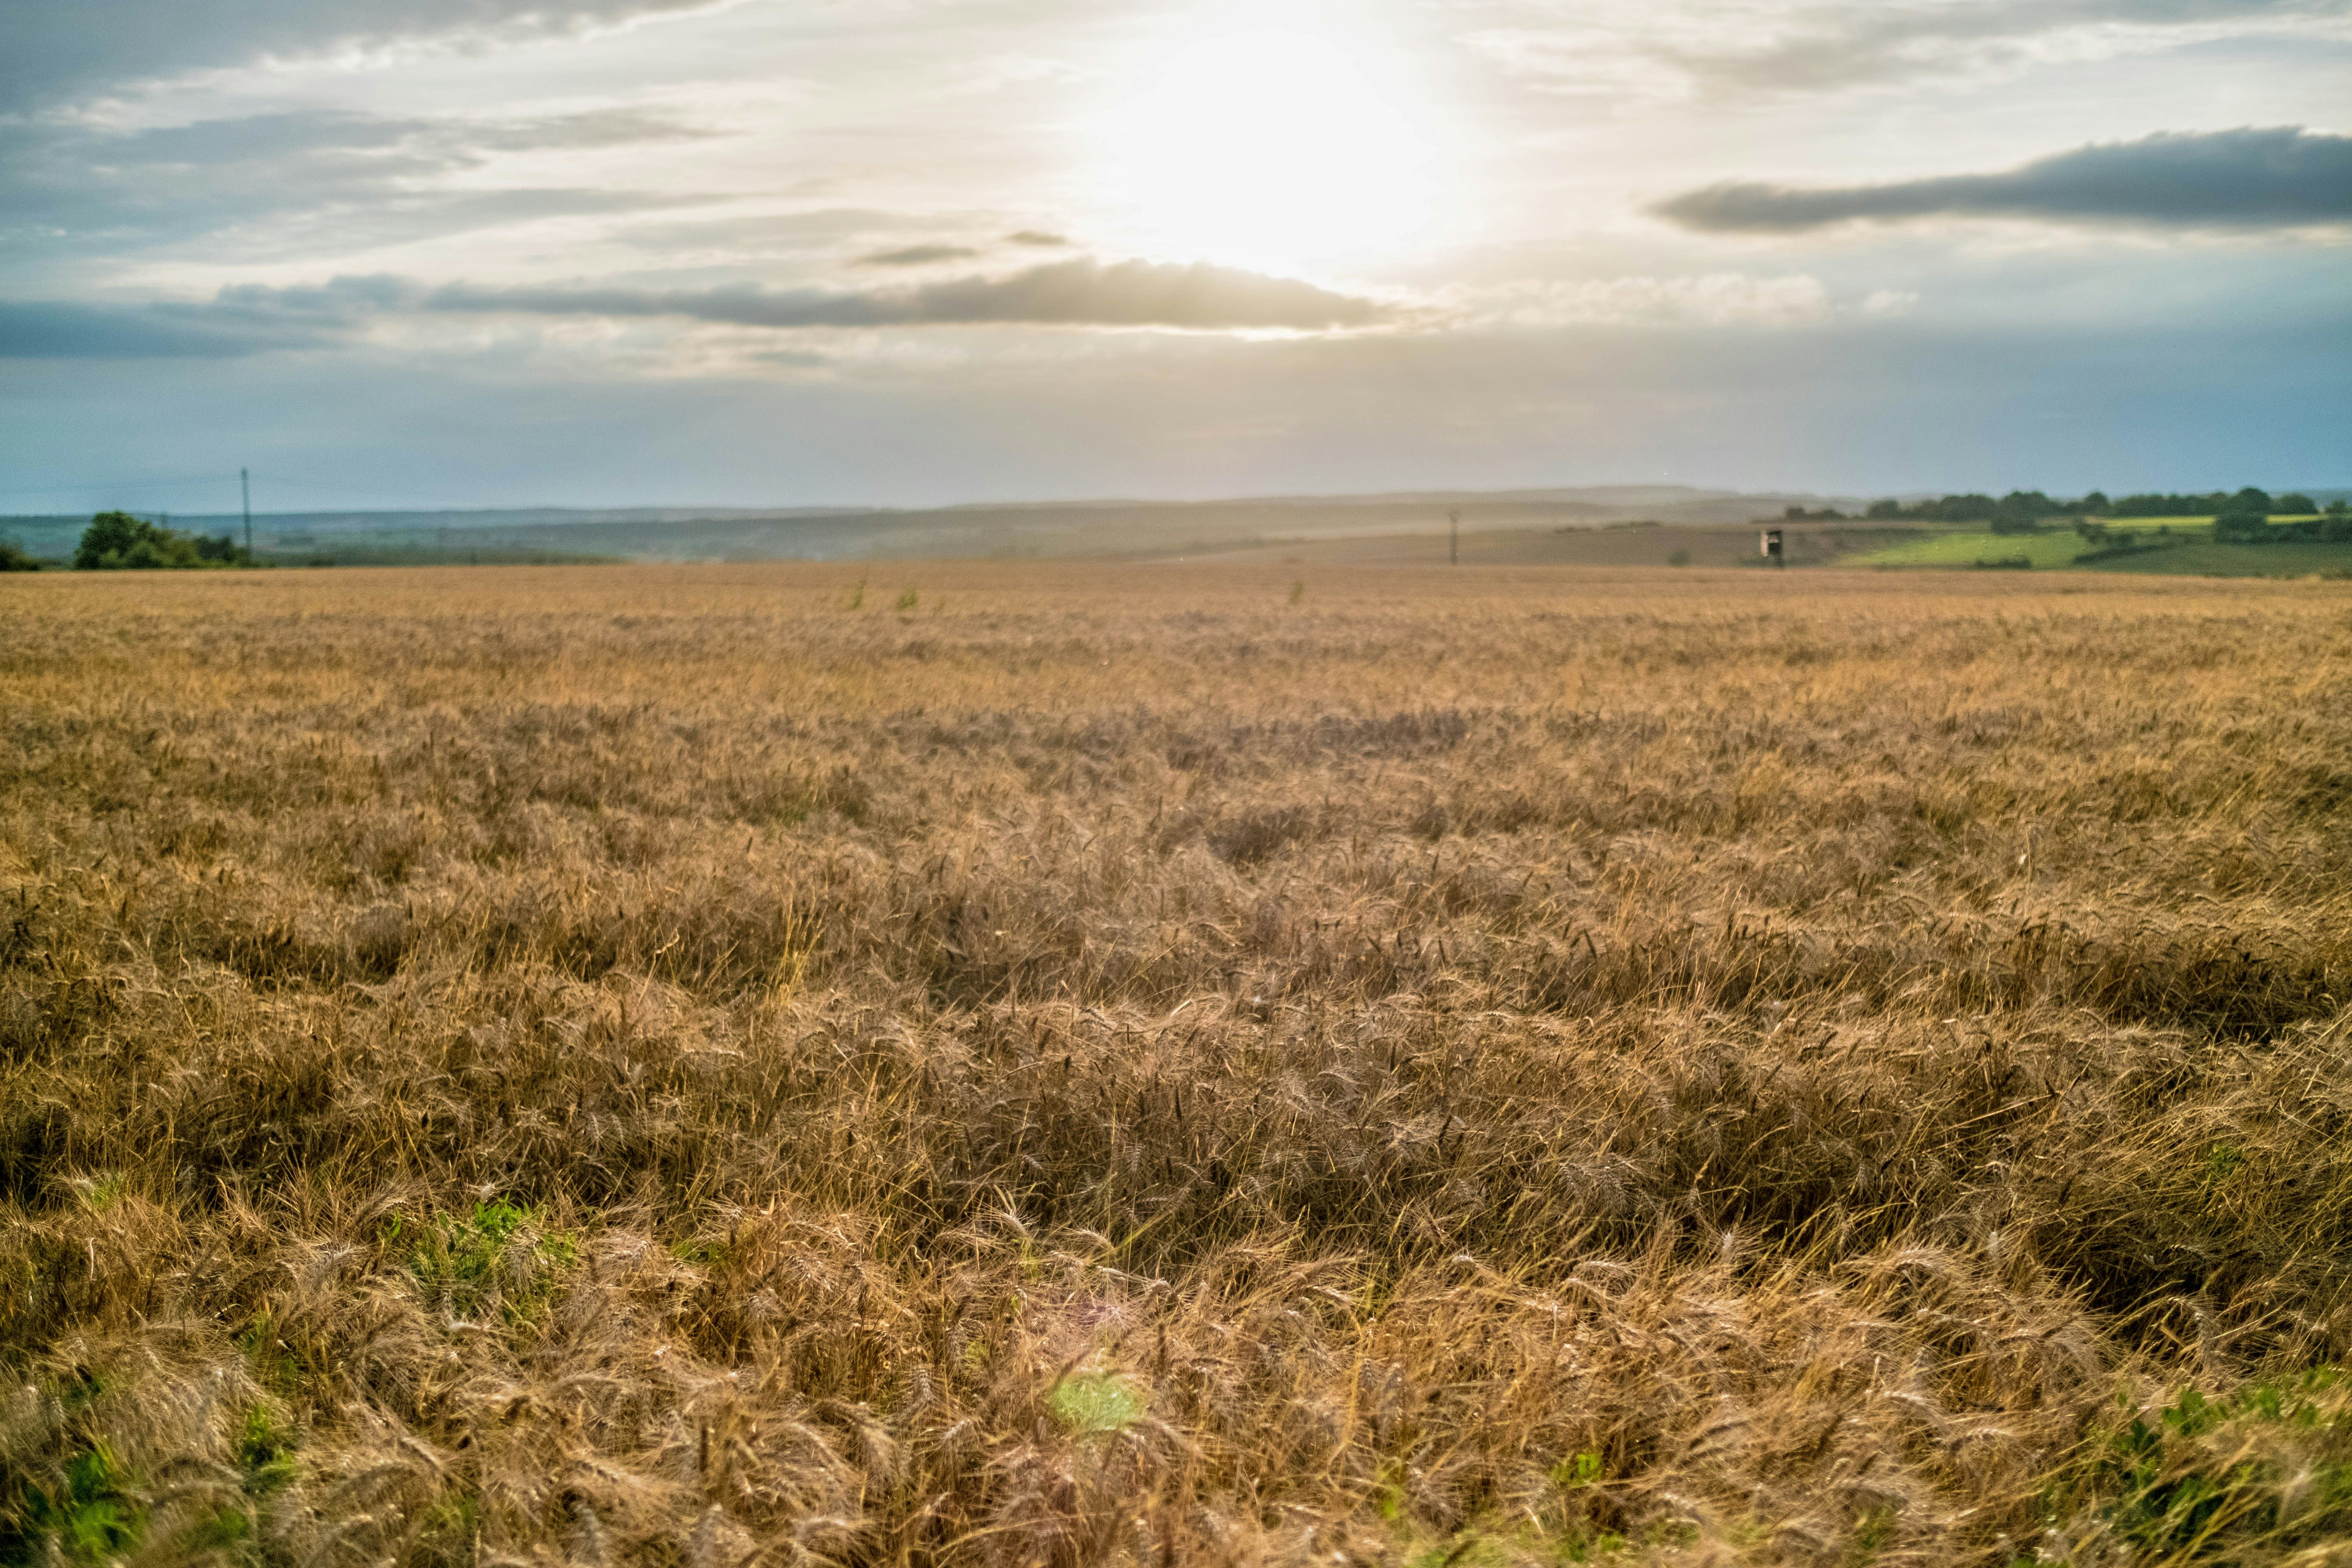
pixel 910 252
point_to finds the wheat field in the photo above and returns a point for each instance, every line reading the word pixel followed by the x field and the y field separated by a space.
pixel 1041 1065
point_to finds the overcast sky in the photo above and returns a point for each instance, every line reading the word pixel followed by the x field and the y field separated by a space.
pixel 603 252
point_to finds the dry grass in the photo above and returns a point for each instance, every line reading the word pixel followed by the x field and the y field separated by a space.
pixel 661 1067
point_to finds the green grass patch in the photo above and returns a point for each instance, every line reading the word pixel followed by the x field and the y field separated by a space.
pixel 2203 558
pixel 101 1192
pixel 2262 1472
pixel 2041 552
pixel 500 1256
pixel 2190 551
pixel 265 1453
pixel 91 1513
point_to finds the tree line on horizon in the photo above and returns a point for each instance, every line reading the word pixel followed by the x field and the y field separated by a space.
pixel 2243 514
pixel 121 541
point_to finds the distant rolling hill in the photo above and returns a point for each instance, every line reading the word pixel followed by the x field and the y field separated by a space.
pixel 1040 528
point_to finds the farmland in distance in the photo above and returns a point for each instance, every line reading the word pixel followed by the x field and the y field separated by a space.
pixel 1055 1063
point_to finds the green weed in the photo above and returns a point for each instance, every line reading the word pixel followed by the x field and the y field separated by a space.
pixel 91 1514
pixel 1580 1469
pixel 2210 1480
pixel 2223 1163
pixel 100 1193
pixel 265 1453
pixel 500 1254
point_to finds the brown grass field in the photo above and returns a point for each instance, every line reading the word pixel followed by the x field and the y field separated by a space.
pixel 1152 1066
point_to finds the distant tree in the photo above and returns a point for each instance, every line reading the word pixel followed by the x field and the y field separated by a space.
pixel 2152 505
pixel 14 559
pixel 2250 500
pixel 2021 511
pixel 2243 524
pixel 2096 504
pixel 2295 504
pixel 1960 509
pixel 118 542
pixel 1885 510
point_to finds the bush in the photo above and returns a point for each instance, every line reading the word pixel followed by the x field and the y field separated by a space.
pixel 118 542
pixel 2245 526
pixel 14 559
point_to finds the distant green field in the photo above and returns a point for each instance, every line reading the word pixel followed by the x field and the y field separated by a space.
pixel 2203 558
pixel 2196 554
pixel 2046 550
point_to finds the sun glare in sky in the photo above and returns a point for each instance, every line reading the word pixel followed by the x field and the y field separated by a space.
pixel 1271 149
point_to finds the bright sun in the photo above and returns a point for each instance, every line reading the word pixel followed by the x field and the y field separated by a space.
pixel 1271 149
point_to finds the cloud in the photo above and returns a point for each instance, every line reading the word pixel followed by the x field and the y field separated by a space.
pixel 252 319
pixel 1037 238
pixel 1666 47
pixel 1713 300
pixel 918 256
pixel 2281 178
pixel 1880 42
pixel 59 51
pixel 66 188
pixel 1081 292
pixel 54 329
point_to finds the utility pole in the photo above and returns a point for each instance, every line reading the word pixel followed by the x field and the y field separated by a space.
pixel 244 487
pixel 1453 539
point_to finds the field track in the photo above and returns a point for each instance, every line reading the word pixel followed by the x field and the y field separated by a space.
pixel 1057 1065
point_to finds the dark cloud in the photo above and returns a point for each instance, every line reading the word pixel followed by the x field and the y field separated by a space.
pixel 63 330
pixel 2280 178
pixel 1038 237
pixel 59 50
pixel 255 319
pixel 918 256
